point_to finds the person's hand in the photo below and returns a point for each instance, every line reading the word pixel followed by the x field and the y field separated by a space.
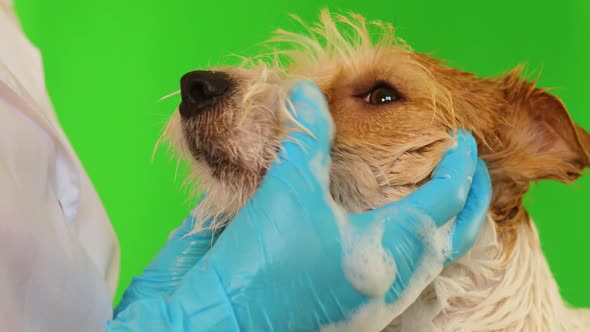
pixel 168 268
pixel 292 259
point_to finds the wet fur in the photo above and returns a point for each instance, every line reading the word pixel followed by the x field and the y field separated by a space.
pixel 381 154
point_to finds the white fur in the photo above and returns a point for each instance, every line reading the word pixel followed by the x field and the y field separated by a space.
pixel 486 290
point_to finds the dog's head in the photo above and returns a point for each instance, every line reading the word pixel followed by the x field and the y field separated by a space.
pixel 393 110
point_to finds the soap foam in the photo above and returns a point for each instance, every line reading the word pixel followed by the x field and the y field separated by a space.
pixel 375 315
pixel 372 270
pixel 367 265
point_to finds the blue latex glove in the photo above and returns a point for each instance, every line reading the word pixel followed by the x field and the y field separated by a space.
pixel 294 260
pixel 174 260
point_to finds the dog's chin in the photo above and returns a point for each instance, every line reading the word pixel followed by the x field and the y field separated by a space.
pixel 231 173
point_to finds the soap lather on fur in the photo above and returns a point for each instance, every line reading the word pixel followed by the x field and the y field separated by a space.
pixel 393 109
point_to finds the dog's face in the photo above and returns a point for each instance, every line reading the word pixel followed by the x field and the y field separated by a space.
pixel 393 110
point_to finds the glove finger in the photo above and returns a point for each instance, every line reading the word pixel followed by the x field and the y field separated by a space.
pixel 471 218
pixel 304 158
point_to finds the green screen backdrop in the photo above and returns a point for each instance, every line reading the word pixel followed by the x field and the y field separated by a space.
pixel 108 62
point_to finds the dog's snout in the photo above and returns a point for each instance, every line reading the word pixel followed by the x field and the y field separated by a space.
pixel 201 89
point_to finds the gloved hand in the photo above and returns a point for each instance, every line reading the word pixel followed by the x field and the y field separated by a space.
pixel 169 267
pixel 294 260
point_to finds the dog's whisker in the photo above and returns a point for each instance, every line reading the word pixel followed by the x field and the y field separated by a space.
pixel 172 94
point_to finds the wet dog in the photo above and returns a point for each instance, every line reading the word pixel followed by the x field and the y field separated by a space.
pixel 393 109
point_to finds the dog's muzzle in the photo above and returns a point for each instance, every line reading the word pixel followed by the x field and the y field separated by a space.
pixel 201 90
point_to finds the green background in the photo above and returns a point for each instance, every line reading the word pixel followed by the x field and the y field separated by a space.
pixel 108 62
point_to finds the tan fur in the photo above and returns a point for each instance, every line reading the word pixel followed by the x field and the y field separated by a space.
pixel 382 153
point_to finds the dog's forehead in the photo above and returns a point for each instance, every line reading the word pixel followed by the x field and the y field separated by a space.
pixel 355 64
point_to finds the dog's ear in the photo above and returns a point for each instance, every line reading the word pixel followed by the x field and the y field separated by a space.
pixel 535 138
pixel 545 142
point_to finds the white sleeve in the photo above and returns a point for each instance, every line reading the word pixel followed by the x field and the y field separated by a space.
pixel 59 260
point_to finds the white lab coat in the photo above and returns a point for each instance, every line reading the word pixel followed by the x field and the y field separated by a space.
pixel 59 256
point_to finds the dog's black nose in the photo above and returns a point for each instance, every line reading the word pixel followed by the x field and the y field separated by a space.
pixel 200 90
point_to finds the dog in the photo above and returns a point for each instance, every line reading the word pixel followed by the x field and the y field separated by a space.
pixel 393 109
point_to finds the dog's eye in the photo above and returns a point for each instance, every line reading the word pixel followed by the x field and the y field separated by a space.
pixel 382 94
